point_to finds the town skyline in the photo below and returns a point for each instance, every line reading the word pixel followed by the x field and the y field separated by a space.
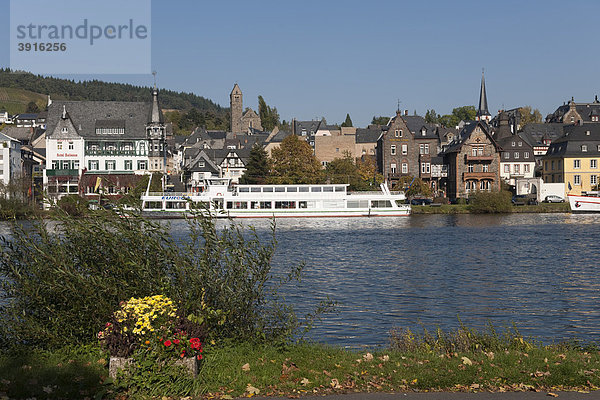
pixel 327 60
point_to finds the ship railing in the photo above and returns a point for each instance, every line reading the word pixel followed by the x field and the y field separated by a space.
pixel 372 193
pixel 174 194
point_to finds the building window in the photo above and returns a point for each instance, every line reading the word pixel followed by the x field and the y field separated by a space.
pixel 513 144
pixel 576 164
pixel 517 168
pixel 421 149
pixel 142 165
pixel 324 163
pixel 526 154
pixel 507 168
pixel 507 155
pixel 128 165
pixel 520 144
pixel 594 164
pixel 485 167
pixel 470 168
pixel 426 148
pixel 593 180
pixel 577 179
pixel 398 133
pixel 552 165
pixel 110 165
pixel 594 118
pixel 572 119
pixel 583 147
pixel 404 168
pixel 65 130
pixel 70 145
pixel 404 149
pixel 393 168
pixel 93 165
pixel 516 154
pixel 526 168
pixel 59 146
pixel 393 150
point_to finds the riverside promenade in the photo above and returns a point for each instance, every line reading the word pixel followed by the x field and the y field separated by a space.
pixel 451 396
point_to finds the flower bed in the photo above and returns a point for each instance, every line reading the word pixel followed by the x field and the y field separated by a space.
pixel 151 328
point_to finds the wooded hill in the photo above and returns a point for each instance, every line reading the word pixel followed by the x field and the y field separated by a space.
pixel 17 89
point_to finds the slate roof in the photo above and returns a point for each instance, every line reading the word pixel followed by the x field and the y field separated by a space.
pixel 506 145
pixel 416 123
pixel 278 138
pixel 26 116
pixel 464 134
pixel 23 134
pixel 534 134
pixel 575 136
pixel 311 127
pixel 85 114
pixel 368 135
pixel 586 110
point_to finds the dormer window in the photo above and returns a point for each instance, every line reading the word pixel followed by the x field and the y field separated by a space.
pixel 65 130
pixel 423 132
pixel 513 144
pixel 587 133
pixel 583 147
pixel 572 119
pixel 520 144
pixel 594 118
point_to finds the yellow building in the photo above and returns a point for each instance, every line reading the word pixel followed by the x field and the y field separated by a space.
pixel 573 159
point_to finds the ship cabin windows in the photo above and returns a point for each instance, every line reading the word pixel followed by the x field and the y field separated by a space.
pixel 381 204
pixel 285 204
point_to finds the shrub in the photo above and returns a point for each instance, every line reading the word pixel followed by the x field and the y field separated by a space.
pixel 490 202
pixel 73 205
pixel 62 283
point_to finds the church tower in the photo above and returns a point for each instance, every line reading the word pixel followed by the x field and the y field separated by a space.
pixel 482 112
pixel 236 105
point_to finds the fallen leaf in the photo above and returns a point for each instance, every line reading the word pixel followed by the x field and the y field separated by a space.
pixel 47 389
pixel 246 367
pixel 385 358
pixel 466 361
pixel 490 355
pixel 335 384
pixel 304 381
pixel 475 386
pixel 368 357
pixel 552 394
pixel 227 397
pixel 252 390
pixel 327 373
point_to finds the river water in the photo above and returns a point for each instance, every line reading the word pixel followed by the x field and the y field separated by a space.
pixel 539 271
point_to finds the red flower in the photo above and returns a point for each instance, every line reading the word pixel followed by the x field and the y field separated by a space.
pixel 167 343
pixel 199 357
pixel 182 354
pixel 176 341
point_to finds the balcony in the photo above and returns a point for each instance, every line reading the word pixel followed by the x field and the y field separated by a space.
pixel 479 176
pixel 62 172
pixel 92 152
pixel 479 158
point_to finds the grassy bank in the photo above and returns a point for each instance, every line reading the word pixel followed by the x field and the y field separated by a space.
pixel 464 209
pixel 245 370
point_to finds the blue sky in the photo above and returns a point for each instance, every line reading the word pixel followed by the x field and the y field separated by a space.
pixel 315 59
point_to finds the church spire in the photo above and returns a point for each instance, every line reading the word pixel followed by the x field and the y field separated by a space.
pixel 482 112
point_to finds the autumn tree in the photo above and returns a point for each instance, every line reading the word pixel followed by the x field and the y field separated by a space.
pixel 367 169
pixel 269 117
pixel 529 116
pixel 347 122
pixel 258 167
pixel 294 162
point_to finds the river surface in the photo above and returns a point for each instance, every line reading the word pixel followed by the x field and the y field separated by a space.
pixel 539 271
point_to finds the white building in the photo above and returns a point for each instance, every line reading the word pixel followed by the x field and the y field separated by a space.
pixel 10 159
pixel 102 141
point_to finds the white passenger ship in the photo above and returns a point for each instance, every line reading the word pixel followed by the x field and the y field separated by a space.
pixel 587 202
pixel 267 201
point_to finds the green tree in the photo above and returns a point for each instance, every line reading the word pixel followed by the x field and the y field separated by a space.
pixel 431 117
pixel 32 107
pixel 529 116
pixel 344 170
pixel 464 113
pixel 258 167
pixel 347 122
pixel 294 162
pixel 490 202
pixel 269 117
pixel 413 186
pixel 381 120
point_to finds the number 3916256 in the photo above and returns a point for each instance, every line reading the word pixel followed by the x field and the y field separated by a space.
pixel 42 46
